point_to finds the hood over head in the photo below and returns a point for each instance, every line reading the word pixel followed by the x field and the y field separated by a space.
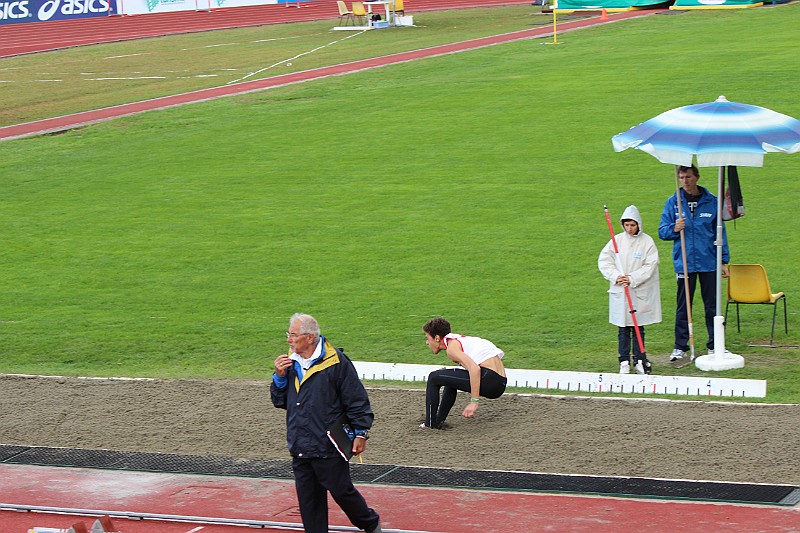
pixel 632 213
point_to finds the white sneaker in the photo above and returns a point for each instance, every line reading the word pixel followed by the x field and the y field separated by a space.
pixel 624 367
pixel 677 354
pixel 639 367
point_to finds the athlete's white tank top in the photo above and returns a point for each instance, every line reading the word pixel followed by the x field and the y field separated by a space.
pixel 478 349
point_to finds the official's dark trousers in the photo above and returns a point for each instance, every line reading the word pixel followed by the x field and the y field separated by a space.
pixel 493 385
pixel 708 290
pixel 314 478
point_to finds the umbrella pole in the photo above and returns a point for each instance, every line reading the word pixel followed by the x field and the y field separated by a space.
pixel 719 320
pixel 639 339
pixel 685 266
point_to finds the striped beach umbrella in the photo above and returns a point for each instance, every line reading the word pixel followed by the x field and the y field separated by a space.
pixel 717 134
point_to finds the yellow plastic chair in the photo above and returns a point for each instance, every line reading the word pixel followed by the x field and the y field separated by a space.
pixel 748 284
pixel 344 13
pixel 359 12
pixel 399 9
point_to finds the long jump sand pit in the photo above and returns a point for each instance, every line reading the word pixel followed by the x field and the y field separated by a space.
pixel 552 434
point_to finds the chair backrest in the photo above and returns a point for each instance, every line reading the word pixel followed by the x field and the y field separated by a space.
pixel 398 5
pixel 342 7
pixel 748 284
pixel 359 10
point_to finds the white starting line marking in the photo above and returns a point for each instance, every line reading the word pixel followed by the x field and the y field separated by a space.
pixel 586 381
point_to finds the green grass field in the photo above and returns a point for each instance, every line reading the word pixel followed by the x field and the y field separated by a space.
pixel 177 243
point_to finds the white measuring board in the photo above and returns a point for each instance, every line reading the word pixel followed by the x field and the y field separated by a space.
pixel 586 381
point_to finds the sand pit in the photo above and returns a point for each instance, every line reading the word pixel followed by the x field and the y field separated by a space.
pixel 652 438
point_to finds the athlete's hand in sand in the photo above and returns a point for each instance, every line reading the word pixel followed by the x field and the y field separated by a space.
pixel 470 409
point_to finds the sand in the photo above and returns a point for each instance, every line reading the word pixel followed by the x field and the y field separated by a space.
pixel 534 433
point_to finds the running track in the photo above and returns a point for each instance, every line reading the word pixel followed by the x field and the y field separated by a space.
pixel 403 509
pixel 40 36
pixel 67 122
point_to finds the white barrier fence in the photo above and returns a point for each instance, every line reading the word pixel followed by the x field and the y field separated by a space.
pixel 587 382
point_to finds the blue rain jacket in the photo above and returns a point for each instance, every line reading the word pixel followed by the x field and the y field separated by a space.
pixel 700 232
pixel 314 400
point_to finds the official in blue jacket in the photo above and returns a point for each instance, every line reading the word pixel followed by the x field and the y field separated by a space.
pixel 317 384
pixel 699 224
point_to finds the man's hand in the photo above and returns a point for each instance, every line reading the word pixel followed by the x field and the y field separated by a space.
pixel 282 363
pixel 680 224
pixel 359 445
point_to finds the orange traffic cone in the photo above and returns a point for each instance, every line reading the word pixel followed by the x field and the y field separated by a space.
pixel 604 14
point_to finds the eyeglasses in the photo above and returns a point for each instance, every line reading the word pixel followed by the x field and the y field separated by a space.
pixel 294 335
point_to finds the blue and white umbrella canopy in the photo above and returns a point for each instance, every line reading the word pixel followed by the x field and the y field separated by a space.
pixel 718 133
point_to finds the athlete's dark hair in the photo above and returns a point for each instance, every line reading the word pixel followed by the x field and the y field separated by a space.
pixel 437 326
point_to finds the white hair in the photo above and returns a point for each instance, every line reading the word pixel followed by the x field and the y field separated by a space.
pixel 307 324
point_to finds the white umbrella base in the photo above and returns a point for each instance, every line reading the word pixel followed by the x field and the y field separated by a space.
pixel 720 359
pixel 726 361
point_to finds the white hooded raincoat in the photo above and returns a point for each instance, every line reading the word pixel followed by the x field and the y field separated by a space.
pixel 639 259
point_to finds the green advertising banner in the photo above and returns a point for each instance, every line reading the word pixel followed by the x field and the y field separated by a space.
pixel 607 4
pixel 619 5
pixel 712 4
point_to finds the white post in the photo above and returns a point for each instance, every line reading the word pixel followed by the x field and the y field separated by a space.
pixel 721 359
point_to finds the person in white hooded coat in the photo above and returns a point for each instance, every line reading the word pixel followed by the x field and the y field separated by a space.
pixel 637 268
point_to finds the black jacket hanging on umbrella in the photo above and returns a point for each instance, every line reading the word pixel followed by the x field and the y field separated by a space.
pixel 734 203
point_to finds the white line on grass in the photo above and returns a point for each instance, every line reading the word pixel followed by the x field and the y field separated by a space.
pixel 295 57
pixel 276 39
pixel 129 78
pixel 126 55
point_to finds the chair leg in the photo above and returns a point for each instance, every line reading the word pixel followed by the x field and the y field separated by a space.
pixel 738 326
pixel 772 333
pixel 785 320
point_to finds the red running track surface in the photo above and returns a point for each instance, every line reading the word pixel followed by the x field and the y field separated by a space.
pixel 401 508
pixel 18 39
